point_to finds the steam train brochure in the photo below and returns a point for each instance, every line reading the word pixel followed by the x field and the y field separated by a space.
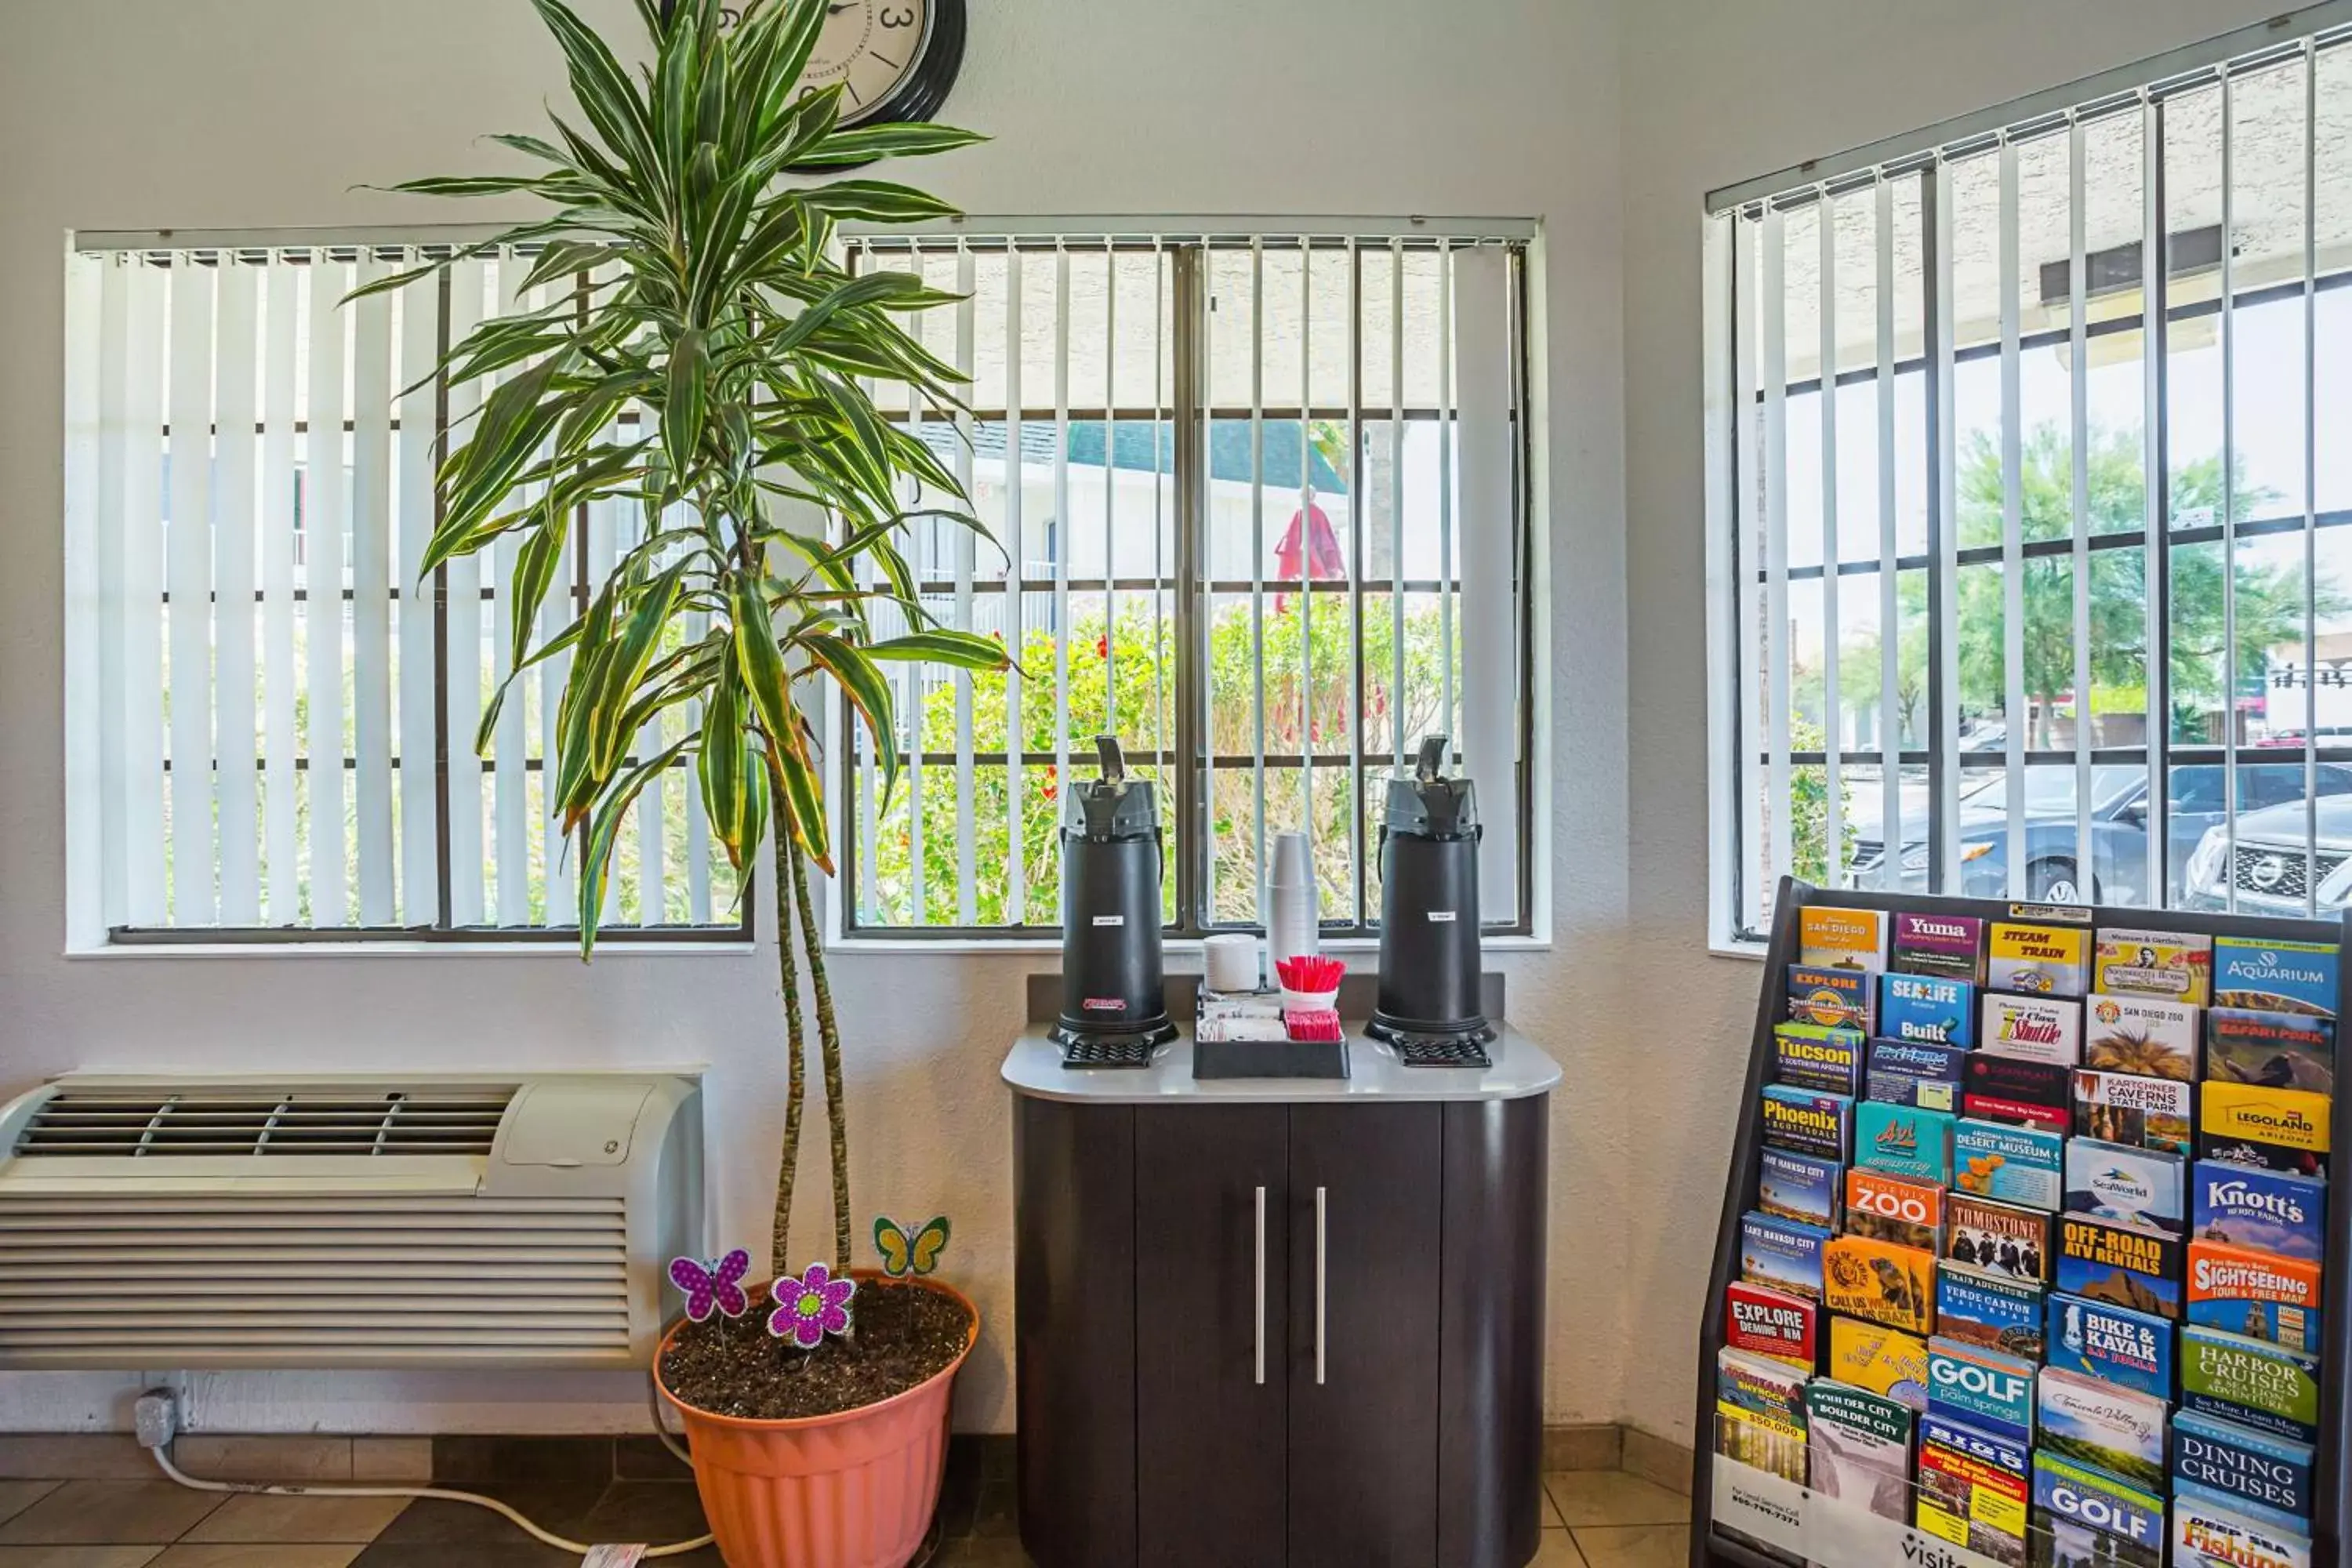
pixel 2276 977
pixel 2253 1470
pixel 2275 1050
pixel 2020 1092
pixel 1879 1359
pixel 1860 1445
pixel 2098 1338
pixel 2126 1268
pixel 2172 965
pixel 2207 1533
pixel 1818 1056
pixel 2243 1291
pixel 2144 1188
pixel 2149 1112
pixel 2111 1428
pixel 1903 1140
pixel 1768 1322
pixel 2038 1029
pixel 1839 998
pixel 2271 1210
pixel 1798 1186
pixel 2040 960
pixel 1783 1254
pixel 2272 1129
pixel 1916 1072
pixel 1887 1208
pixel 1983 1387
pixel 1808 1121
pixel 2252 1382
pixel 1938 943
pixel 1990 1311
pixel 1973 1488
pixel 2015 1164
pixel 2007 1239
pixel 2152 1037
pixel 1880 1281
pixel 2074 1501
pixel 1928 1007
pixel 1832 938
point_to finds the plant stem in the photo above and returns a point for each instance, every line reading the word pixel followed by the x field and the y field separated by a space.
pixel 796 1093
pixel 828 1031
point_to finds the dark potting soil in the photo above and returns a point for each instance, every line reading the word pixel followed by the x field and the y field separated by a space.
pixel 733 1366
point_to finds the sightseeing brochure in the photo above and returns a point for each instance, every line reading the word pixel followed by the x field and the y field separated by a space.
pixel 2255 1294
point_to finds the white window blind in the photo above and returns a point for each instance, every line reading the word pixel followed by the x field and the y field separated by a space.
pixel 274 713
pixel 1256 503
pixel 2031 576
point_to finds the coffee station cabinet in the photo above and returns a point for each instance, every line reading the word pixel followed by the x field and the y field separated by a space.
pixel 1280 1323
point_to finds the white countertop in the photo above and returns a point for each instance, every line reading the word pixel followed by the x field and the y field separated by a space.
pixel 1034 1067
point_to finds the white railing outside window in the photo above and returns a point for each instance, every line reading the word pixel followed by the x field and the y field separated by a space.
pixel 2030 571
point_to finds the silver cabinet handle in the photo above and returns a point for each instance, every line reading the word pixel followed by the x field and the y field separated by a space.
pixel 1258 1333
pixel 1320 1273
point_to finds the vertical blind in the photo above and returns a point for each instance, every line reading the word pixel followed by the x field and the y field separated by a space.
pixel 2030 574
pixel 1251 502
pixel 277 711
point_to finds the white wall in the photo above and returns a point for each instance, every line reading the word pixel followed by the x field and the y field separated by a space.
pixel 1713 94
pixel 233 113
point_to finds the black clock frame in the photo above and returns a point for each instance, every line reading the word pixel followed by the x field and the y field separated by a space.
pixel 924 90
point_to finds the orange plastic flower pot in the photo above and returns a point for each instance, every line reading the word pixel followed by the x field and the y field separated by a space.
pixel 851 1491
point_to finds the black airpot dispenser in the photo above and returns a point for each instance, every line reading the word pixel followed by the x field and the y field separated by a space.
pixel 1114 1005
pixel 1428 1002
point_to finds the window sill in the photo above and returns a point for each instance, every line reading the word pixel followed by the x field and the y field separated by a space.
pixel 1734 947
pixel 1176 947
pixel 410 950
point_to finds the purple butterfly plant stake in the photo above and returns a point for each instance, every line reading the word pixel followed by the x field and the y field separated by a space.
pixel 713 1285
pixel 810 1307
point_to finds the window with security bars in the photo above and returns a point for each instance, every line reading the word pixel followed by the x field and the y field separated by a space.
pixel 243 451
pixel 1252 502
pixel 2030 571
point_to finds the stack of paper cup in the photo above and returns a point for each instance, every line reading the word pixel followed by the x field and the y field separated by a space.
pixel 1291 921
pixel 1229 963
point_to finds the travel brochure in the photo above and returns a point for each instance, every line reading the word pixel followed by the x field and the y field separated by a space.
pixel 2037 1256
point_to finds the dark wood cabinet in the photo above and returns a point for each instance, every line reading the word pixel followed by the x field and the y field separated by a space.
pixel 1329 1352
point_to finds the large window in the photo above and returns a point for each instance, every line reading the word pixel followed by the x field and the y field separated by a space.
pixel 1254 504
pixel 2030 571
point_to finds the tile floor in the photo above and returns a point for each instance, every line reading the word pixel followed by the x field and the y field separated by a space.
pixel 1594 1519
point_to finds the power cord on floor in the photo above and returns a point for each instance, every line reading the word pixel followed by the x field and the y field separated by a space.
pixel 162 1431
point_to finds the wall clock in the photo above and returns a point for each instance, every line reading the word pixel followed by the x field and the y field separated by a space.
pixel 894 60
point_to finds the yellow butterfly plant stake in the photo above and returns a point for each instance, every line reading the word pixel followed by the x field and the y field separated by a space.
pixel 904 1253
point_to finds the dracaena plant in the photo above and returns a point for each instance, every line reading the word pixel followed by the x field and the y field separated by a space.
pixel 700 292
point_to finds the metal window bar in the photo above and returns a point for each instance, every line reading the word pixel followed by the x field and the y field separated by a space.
pixel 2078 444
pixel 1890 630
pixel 1833 713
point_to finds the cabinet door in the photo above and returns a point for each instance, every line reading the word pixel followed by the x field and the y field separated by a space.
pixel 1366 1296
pixel 1210 1383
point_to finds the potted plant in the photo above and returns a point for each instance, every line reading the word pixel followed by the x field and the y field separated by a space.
pixel 708 302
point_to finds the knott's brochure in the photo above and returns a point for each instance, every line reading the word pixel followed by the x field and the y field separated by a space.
pixel 1832 938
pixel 2020 1092
pixel 1812 1056
pixel 2275 1050
pixel 2249 1381
pixel 1903 1141
pixel 1798 1186
pixel 2015 1164
pixel 1923 1008
pixel 1949 945
pixel 2037 1028
pixel 1917 1073
pixel 2079 1506
pixel 1890 1209
pixel 1989 1311
pixel 2122 1267
pixel 1807 1121
pixel 2037 959
pixel 2113 1343
pixel 1835 998
pixel 2268 1210
pixel 2148 1112
pixel 2276 977
pixel 2206 1533
pixel 1767 1322
pixel 2174 966
pixel 2241 1291
pixel 2148 1036
pixel 2143 1188
pixel 2254 1470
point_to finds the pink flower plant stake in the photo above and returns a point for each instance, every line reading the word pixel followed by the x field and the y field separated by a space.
pixel 810 1307
pixel 711 1285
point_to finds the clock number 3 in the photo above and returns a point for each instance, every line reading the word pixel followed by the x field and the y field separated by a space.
pixel 902 17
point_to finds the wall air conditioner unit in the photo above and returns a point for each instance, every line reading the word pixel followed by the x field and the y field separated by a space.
pixel 247 1221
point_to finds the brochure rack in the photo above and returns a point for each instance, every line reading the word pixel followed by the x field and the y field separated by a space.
pixel 1817 1521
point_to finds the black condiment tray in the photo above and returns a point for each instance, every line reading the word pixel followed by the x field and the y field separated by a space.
pixel 1270 1059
